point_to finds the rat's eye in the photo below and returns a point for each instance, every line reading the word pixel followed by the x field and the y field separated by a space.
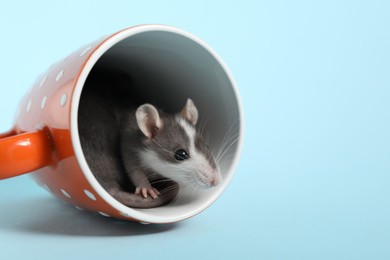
pixel 181 155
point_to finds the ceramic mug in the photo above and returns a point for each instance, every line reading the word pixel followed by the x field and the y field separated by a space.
pixel 45 140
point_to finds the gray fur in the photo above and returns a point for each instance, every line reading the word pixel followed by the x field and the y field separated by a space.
pixel 171 138
pixel 112 140
pixel 99 117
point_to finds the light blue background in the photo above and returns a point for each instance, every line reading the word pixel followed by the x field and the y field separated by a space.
pixel 313 182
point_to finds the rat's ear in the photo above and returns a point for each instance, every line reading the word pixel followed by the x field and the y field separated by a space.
pixel 148 120
pixel 190 112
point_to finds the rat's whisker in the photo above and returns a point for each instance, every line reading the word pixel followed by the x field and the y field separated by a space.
pixel 233 142
pixel 227 138
pixel 169 188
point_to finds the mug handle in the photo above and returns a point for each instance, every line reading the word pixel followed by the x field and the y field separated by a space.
pixel 23 153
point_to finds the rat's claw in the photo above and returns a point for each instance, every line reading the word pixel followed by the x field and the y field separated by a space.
pixel 156 191
pixel 153 193
pixel 143 191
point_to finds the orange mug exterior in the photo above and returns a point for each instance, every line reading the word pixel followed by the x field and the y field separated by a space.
pixel 45 139
pixel 41 141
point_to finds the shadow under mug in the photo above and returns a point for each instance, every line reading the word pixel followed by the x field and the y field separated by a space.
pixel 167 65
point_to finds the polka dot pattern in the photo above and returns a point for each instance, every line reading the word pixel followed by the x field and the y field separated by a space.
pixel 103 214
pixel 42 81
pixel 47 104
pixel 46 187
pixel 43 103
pixel 66 194
pixel 64 97
pixel 85 51
pixel 90 195
pixel 59 75
pixel 125 214
pixel 28 108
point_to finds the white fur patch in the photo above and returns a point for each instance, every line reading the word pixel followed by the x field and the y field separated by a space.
pixel 151 160
pixel 196 170
pixel 188 129
pixel 201 166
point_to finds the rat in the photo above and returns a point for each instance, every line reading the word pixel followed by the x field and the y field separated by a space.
pixel 155 144
pixel 141 156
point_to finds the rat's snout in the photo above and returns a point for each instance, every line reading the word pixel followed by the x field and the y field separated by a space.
pixel 215 179
pixel 208 179
pixel 214 182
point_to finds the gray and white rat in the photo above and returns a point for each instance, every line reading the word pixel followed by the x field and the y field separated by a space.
pixel 142 156
pixel 153 142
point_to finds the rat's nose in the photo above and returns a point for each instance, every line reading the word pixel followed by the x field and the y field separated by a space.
pixel 214 181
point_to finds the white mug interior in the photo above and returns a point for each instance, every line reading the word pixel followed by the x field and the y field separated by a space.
pixel 168 66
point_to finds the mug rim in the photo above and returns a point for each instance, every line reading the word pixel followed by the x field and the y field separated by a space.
pixel 94 56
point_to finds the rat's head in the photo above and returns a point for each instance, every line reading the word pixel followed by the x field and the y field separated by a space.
pixel 175 149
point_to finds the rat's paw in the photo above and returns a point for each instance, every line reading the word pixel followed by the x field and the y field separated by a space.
pixel 144 191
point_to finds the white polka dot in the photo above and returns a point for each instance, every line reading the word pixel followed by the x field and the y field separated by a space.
pixel 145 223
pixel 28 106
pixel 42 81
pixel 89 194
pixel 43 103
pixel 85 51
pixel 64 97
pixel 124 214
pixel 78 208
pixel 103 214
pixel 46 187
pixel 59 75
pixel 65 193
pixel 39 125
